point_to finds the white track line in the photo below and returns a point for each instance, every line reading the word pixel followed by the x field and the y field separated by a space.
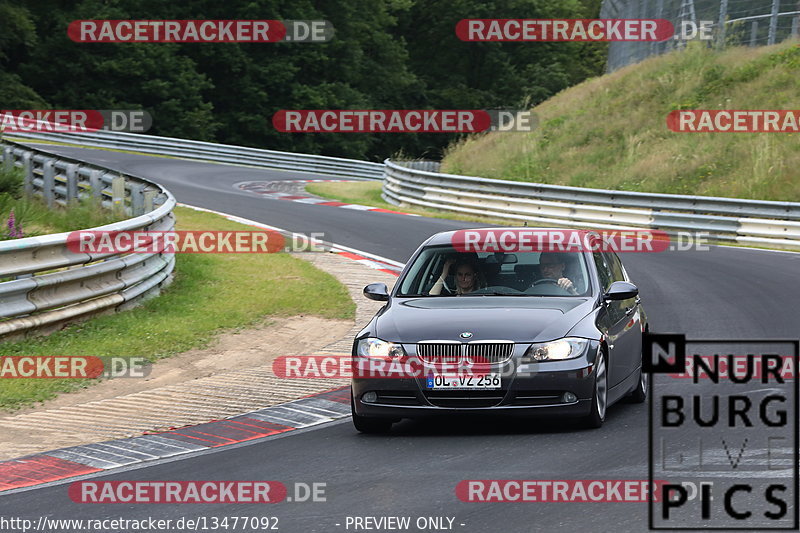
pixel 336 248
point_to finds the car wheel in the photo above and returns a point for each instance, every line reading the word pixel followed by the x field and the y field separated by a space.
pixel 597 415
pixel 639 394
pixel 369 425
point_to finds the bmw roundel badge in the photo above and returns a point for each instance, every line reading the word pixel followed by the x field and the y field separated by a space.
pixel 466 335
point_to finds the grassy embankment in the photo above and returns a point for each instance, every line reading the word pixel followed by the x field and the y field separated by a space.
pixel 210 293
pixel 610 132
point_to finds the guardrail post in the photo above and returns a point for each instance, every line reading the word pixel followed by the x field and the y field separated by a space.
pixel 149 200
pixel 659 47
pixel 96 184
pixel 8 159
pixel 723 14
pixel 773 22
pixel 137 199
pixel 27 169
pixel 796 26
pixel 118 195
pixel 48 181
pixel 754 33
pixel 72 183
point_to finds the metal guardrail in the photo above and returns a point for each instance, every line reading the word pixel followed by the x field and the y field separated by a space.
pixel 220 153
pixel 775 224
pixel 422 164
pixel 43 282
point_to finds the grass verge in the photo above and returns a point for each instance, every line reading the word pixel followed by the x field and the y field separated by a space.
pixel 369 193
pixel 211 293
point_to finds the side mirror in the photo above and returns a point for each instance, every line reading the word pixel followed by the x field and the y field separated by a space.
pixel 377 291
pixel 621 290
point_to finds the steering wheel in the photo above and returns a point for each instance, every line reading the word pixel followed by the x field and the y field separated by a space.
pixel 545 280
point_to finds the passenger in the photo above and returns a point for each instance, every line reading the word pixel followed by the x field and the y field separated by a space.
pixel 551 266
pixel 466 278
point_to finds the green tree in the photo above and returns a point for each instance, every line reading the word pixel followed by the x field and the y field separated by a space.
pixel 386 54
pixel 17 37
pixel 155 77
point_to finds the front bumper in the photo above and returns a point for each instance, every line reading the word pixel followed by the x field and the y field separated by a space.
pixel 531 390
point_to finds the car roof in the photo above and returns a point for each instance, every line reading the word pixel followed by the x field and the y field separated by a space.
pixel 446 237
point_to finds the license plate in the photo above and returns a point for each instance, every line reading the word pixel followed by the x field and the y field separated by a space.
pixel 490 380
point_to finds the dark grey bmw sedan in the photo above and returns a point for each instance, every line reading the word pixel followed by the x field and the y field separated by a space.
pixel 509 328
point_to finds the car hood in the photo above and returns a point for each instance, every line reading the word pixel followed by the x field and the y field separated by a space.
pixel 518 319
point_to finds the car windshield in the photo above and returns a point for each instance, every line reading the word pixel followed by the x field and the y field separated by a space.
pixel 495 274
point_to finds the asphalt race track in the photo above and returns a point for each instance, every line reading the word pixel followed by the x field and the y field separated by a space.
pixel 722 293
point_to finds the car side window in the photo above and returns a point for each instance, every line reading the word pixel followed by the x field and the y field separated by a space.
pixel 422 270
pixel 603 271
pixel 617 272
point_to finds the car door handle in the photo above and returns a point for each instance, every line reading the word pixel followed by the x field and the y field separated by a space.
pixel 630 310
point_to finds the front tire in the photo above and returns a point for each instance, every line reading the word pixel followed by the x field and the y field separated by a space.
pixel 639 394
pixel 597 415
pixel 369 425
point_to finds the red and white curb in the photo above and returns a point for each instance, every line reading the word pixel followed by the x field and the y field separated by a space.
pixel 90 458
pixel 266 189
pixel 365 258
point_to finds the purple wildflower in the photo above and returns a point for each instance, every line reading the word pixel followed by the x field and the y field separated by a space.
pixel 14 229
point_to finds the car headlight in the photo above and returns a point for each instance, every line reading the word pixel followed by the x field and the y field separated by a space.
pixel 372 347
pixel 567 348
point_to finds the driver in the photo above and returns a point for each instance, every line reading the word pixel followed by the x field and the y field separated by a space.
pixel 551 266
pixel 466 278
